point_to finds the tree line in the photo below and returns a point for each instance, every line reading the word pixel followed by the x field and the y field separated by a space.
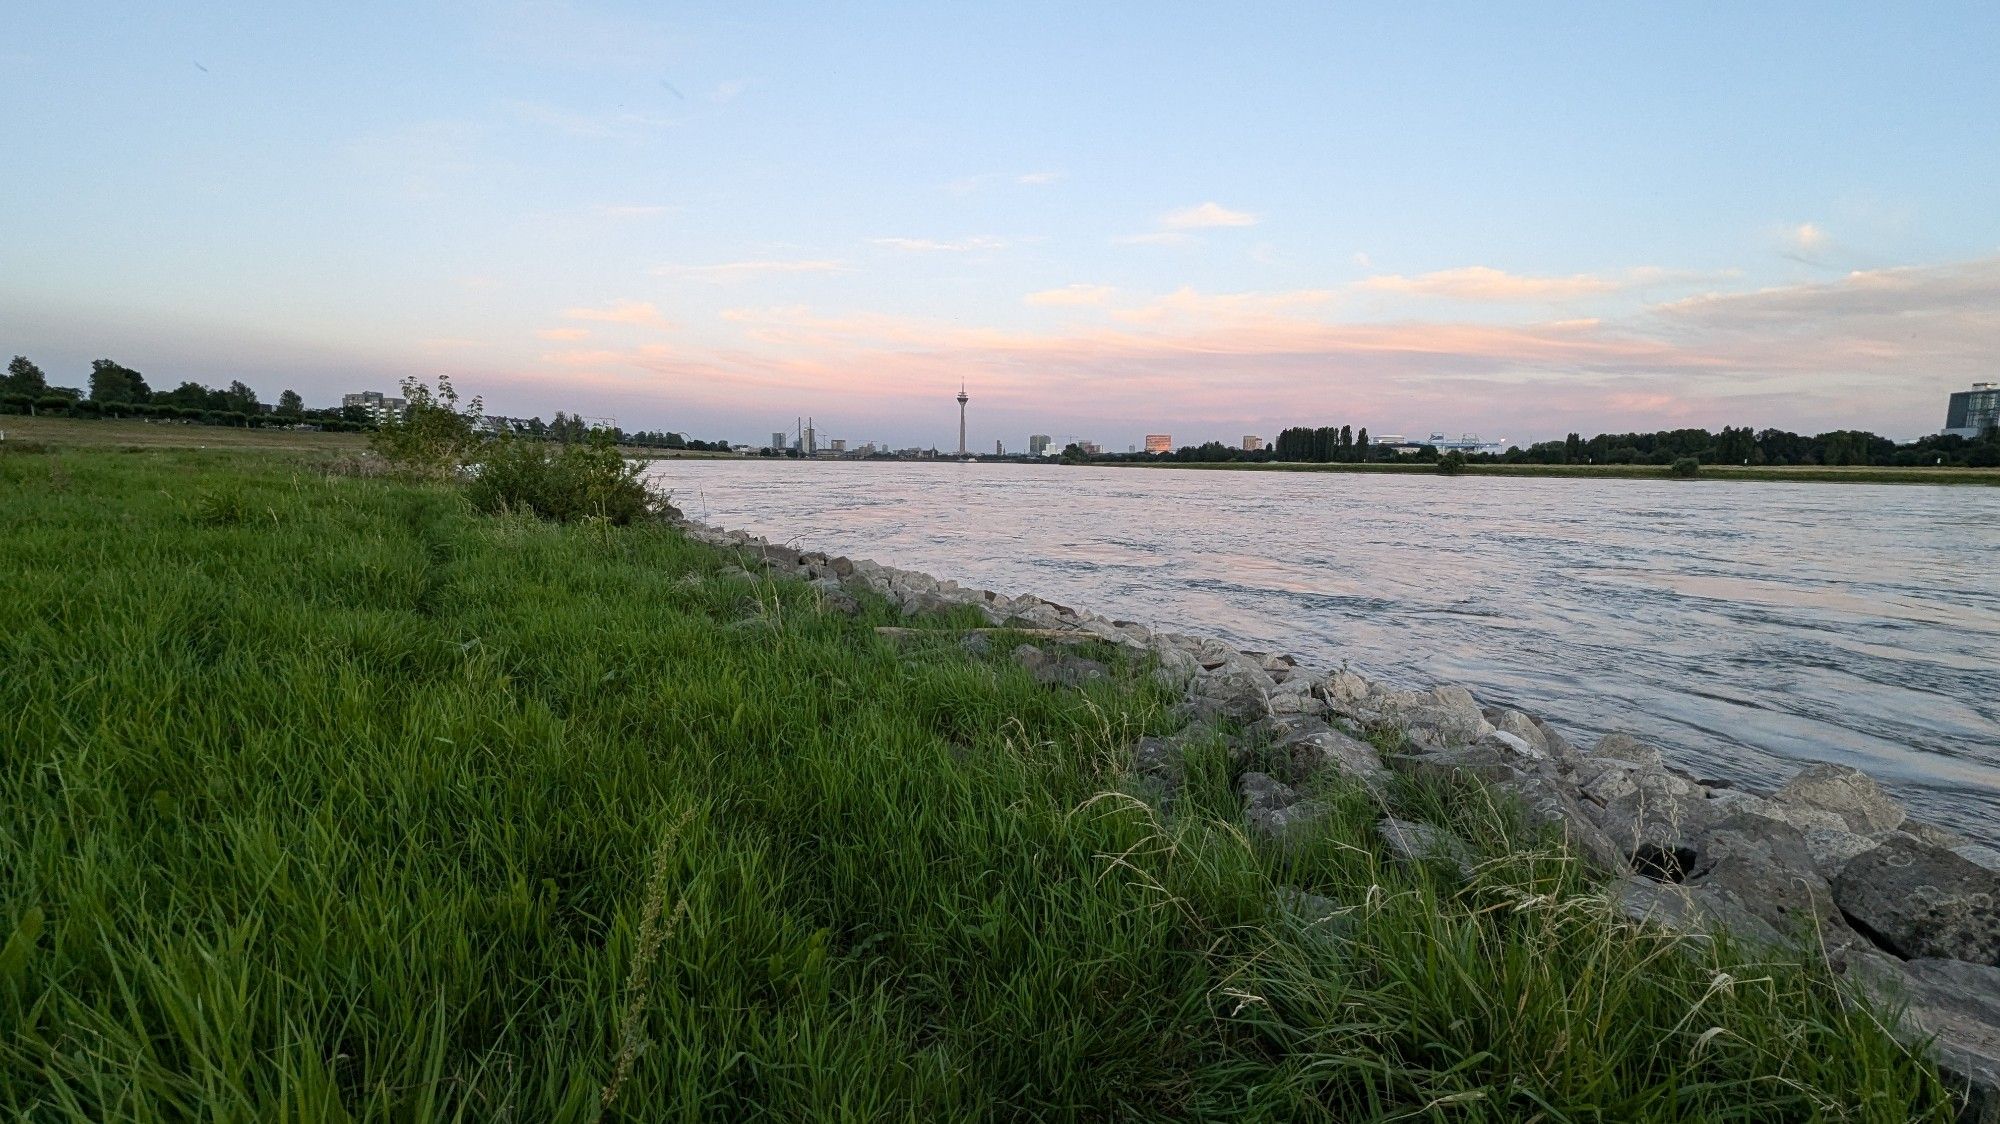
pixel 118 391
pixel 1732 445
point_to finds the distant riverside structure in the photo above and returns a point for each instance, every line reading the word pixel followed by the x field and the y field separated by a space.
pixel 778 441
pixel 999 450
pixel 1973 412
pixel 1038 444
pixel 379 408
pixel 837 445
pixel 1159 442
pixel 962 400
pixel 1464 443
pixel 1252 443
pixel 1091 448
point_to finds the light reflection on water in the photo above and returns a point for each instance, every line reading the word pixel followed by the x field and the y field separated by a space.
pixel 1747 627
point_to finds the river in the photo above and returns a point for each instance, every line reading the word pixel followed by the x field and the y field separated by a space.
pixel 1746 627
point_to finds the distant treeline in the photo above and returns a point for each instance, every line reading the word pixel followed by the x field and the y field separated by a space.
pixel 118 391
pixel 1733 445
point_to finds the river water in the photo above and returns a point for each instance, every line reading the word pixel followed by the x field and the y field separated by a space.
pixel 1746 627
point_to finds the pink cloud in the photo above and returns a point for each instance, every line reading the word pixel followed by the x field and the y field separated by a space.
pixel 639 313
pixel 1802 356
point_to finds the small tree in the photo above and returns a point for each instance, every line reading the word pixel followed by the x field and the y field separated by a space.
pixel 1452 463
pixel 290 404
pixel 433 437
pixel 23 377
pixel 1685 467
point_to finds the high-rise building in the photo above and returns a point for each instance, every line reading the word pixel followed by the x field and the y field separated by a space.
pixel 999 450
pixel 1092 449
pixel 1252 443
pixel 1038 445
pixel 837 445
pixel 778 441
pixel 1973 412
pixel 1159 443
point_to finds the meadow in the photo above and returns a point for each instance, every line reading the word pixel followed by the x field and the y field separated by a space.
pixel 328 798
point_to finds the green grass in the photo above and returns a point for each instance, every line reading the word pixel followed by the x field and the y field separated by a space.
pixel 1807 474
pixel 327 799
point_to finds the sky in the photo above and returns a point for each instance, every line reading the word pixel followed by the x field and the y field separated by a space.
pixel 1107 220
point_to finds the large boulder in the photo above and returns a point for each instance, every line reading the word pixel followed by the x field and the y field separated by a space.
pixel 1314 747
pixel 1241 696
pixel 1767 867
pixel 1651 815
pixel 1628 749
pixel 1954 1004
pixel 1920 900
pixel 1847 793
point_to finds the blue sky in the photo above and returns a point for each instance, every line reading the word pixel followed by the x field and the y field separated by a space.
pixel 1108 219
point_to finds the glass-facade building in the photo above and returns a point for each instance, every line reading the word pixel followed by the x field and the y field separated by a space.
pixel 1973 412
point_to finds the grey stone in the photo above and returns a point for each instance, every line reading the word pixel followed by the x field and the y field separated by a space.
pixel 1624 747
pixel 1263 792
pixel 1649 813
pixel 1833 848
pixel 1273 809
pixel 1766 866
pixel 1934 835
pixel 1523 727
pixel 1408 841
pixel 976 644
pixel 1845 792
pixel 1699 910
pixel 1919 900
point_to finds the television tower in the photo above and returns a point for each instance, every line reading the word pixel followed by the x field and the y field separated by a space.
pixel 962 400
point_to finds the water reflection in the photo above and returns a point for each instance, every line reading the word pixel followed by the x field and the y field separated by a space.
pixel 1746 626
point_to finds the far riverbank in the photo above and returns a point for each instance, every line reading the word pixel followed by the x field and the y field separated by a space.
pixel 1790 474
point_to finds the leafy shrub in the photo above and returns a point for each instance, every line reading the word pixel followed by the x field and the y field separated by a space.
pixel 433 437
pixel 562 481
pixel 1686 466
pixel 1452 463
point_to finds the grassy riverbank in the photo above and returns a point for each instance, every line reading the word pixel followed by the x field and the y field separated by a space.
pixel 133 434
pixel 325 798
pixel 1796 474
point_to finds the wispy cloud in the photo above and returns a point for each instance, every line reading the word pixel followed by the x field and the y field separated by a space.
pixel 1071 296
pixel 1038 179
pixel 1155 238
pixel 563 333
pixel 933 246
pixel 728 91
pixel 638 313
pixel 740 270
pixel 1204 216
pixel 1483 283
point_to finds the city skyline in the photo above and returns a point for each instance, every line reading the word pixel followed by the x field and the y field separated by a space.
pixel 1110 221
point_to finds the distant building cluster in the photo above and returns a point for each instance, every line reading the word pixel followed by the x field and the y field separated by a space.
pixel 379 408
pixel 1159 442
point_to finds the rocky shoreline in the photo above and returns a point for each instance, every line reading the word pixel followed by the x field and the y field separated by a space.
pixel 1903 909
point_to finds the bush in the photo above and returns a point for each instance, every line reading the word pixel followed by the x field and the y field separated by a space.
pixel 561 481
pixel 433 437
pixel 1686 466
pixel 1452 463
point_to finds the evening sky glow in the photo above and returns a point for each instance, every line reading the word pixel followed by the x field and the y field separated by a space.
pixel 1106 220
